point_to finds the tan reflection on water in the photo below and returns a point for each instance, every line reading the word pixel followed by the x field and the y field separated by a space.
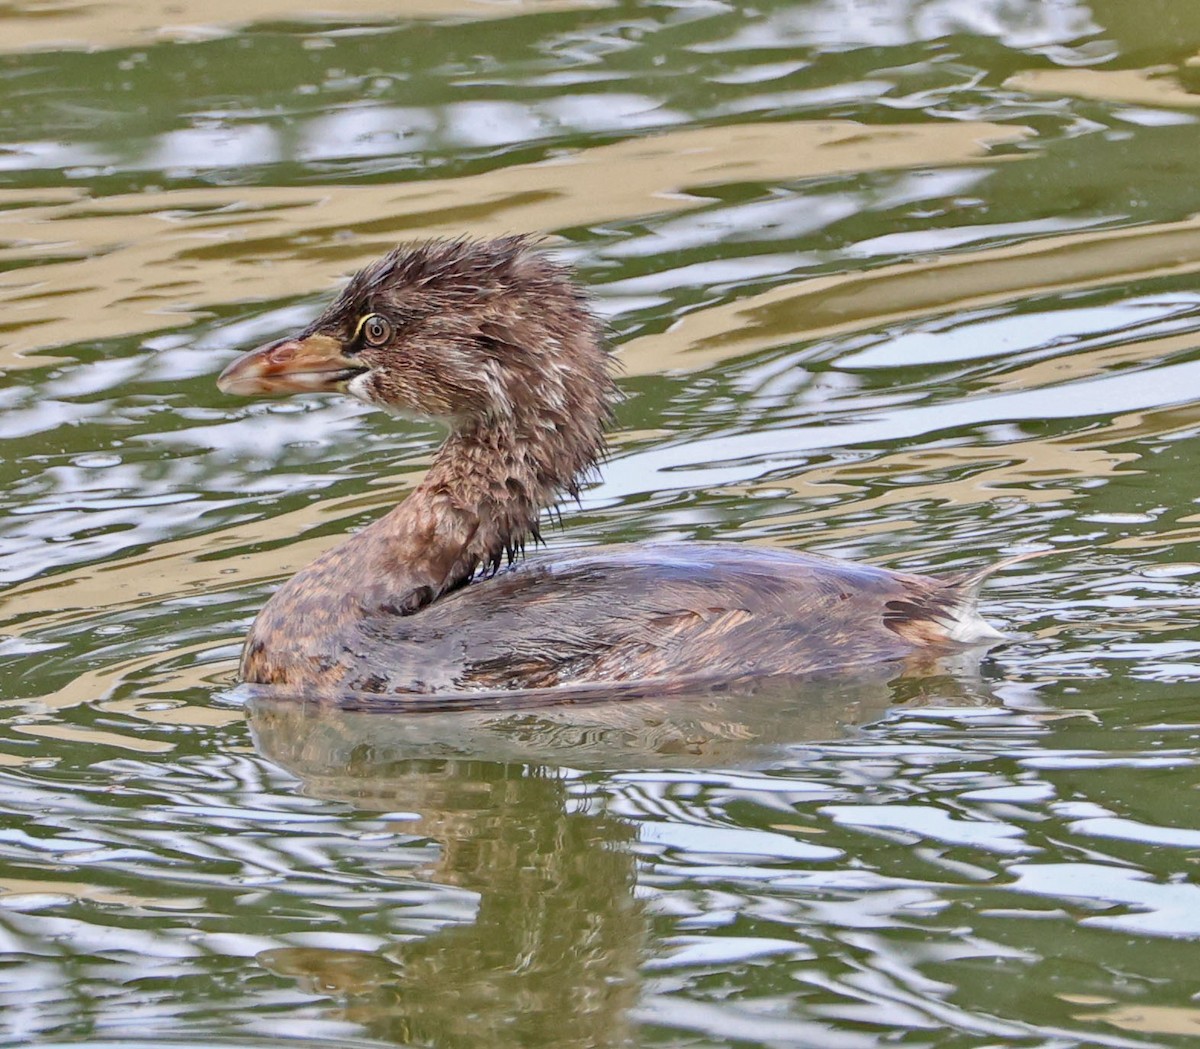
pixel 87 25
pixel 1150 1019
pixel 96 737
pixel 1147 87
pixel 134 264
pixel 13 889
pixel 1086 364
pixel 1166 537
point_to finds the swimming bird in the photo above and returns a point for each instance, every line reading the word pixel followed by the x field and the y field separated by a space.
pixel 499 343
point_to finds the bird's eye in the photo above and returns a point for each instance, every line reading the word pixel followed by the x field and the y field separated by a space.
pixel 375 329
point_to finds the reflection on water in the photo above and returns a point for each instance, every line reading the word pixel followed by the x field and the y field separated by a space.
pixel 914 284
pixel 346 753
pixel 548 939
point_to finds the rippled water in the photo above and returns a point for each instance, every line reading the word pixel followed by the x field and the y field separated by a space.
pixel 914 283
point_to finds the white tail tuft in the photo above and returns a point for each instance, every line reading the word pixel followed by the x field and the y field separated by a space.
pixel 960 618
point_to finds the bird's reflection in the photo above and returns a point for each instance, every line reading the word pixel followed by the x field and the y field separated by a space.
pixel 552 954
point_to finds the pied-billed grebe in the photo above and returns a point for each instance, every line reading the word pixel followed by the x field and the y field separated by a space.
pixel 498 343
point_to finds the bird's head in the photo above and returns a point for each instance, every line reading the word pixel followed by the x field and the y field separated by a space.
pixel 469 333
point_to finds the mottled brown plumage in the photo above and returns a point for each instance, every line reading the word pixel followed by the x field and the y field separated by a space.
pixel 497 342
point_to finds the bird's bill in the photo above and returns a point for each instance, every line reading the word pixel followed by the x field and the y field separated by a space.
pixel 310 365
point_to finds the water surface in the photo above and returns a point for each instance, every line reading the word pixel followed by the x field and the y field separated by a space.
pixel 914 283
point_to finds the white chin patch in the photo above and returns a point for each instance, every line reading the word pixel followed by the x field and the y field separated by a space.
pixel 361 390
pixel 359 387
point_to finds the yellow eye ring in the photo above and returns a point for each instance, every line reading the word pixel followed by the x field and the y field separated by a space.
pixel 375 329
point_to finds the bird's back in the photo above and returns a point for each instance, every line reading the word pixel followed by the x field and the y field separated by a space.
pixel 609 614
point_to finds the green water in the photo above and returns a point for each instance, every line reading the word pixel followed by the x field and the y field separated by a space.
pixel 914 283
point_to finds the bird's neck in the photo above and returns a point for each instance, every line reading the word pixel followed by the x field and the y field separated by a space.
pixel 476 508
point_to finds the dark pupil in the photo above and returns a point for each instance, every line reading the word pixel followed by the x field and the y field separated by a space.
pixel 375 330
